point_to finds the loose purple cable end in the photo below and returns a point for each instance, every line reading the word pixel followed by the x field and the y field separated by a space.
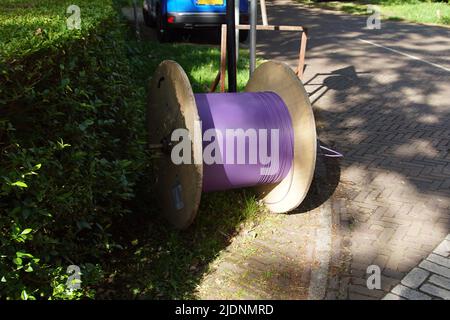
pixel 334 153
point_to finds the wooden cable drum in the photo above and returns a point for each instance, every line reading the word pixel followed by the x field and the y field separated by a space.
pixel 172 105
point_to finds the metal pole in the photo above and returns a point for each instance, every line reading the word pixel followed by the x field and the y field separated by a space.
pixel 231 47
pixel 253 17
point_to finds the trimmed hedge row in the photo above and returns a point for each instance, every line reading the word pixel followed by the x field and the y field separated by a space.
pixel 71 152
pixel 33 25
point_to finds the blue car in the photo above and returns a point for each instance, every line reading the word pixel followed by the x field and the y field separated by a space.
pixel 170 15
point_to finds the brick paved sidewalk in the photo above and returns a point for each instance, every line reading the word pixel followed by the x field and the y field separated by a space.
pixel 389 114
pixel 429 280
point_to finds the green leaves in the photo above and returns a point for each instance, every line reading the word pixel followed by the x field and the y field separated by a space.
pixel 25 261
pixel 17 262
pixel 85 124
pixel 19 184
pixel 41 25
pixel 26 231
pixel 61 145
pixel 71 124
pixel 24 295
pixel 21 236
pixel 83 225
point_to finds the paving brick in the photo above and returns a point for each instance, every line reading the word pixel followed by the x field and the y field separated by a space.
pixel 415 278
pixel 443 249
pixel 393 273
pixel 386 234
pixel 415 229
pixel 363 259
pixel 331 295
pixel 435 268
pixel 359 273
pixel 391 296
pixel 380 261
pixel 361 281
pixel 409 294
pixel 343 288
pixel 362 289
pixel 405 264
pixel 440 281
pixel 388 283
pixel 426 247
pixel 445 262
pixel 436 291
pixel 357 296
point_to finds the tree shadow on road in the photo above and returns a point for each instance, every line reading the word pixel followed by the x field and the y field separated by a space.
pixel 388 114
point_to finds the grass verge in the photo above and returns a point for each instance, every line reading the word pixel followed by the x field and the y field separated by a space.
pixel 410 10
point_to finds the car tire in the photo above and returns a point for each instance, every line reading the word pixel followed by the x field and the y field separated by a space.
pixel 162 33
pixel 148 19
pixel 243 35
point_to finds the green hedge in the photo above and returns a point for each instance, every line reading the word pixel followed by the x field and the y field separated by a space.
pixel 71 144
pixel 30 26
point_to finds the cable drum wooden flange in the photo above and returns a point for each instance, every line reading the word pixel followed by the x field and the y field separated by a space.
pixel 291 191
pixel 172 106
